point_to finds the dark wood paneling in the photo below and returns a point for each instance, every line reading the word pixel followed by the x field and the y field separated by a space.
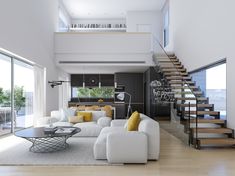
pixel 107 80
pixel 76 80
pixel 92 80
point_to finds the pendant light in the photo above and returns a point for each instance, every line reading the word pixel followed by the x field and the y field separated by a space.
pixel 83 83
pixel 99 82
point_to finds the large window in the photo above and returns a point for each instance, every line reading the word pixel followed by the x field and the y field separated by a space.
pixel 95 92
pixel 212 82
pixel 16 110
pixel 5 94
pixel 166 27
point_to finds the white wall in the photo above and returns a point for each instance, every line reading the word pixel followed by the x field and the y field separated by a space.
pixel 202 32
pixel 153 18
pixel 27 29
pixel 65 13
pixel 101 46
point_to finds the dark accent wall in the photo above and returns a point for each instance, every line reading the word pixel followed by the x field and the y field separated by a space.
pixel 133 83
pixel 153 109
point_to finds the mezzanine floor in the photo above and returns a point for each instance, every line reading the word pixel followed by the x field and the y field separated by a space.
pixel 176 159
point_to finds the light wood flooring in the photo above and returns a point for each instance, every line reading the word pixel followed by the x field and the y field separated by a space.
pixel 176 159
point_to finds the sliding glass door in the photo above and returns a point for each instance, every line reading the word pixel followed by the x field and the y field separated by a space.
pixel 5 94
pixel 23 94
pixel 16 94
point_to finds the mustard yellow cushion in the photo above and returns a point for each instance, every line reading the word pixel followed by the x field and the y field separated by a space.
pixel 87 116
pixel 76 119
pixel 133 122
pixel 108 110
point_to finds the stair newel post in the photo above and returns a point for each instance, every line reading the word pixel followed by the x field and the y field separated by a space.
pixel 196 123
pixel 189 122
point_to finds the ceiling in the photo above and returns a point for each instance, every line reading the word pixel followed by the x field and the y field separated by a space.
pixel 109 8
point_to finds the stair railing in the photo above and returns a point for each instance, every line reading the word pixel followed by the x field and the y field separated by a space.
pixel 160 49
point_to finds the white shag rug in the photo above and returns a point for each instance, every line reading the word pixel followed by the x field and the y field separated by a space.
pixel 15 151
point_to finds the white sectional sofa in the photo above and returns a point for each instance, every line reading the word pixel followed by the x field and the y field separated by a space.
pixel 118 145
pixel 114 143
pixel 88 129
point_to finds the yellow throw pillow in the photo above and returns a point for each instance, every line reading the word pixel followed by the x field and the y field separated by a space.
pixel 76 119
pixel 133 122
pixel 87 116
pixel 108 110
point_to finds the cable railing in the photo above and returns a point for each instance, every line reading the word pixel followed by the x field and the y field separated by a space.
pixel 174 74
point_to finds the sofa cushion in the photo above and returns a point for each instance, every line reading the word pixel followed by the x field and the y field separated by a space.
pixel 62 124
pixel 76 119
pixel 104 121
pixel 88 129
pixel 87 116
pixel 66 113
pixel 100 144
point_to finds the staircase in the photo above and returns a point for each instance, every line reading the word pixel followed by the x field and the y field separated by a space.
pixel 201 122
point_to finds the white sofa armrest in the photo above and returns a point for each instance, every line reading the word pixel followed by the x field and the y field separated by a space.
pixel 127 147
pixel 119 122
pixel 104 121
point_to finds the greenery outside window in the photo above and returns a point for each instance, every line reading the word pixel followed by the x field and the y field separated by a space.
pixel 95 92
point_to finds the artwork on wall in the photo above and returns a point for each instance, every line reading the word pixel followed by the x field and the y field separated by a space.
pixel 161 92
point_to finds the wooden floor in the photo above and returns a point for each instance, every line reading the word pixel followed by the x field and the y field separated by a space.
pixel 176 159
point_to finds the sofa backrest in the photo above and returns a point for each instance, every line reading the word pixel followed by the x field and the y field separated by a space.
pixel 151 128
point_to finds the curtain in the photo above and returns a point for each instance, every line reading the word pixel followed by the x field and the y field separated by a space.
pixel 39 93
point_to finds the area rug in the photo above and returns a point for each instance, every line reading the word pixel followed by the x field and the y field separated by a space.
pixel 15 151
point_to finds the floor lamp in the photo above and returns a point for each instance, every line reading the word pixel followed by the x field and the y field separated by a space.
pixel 121 96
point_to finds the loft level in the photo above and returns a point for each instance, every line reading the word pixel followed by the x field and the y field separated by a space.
pixel 98 29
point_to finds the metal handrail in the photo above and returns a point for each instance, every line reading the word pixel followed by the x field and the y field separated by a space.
pixel 184 83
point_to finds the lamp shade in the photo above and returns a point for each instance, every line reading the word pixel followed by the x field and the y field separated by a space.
pixel 121 96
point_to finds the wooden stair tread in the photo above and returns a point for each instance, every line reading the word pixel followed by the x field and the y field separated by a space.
pixel 222 141
pixel 176 74
pixel 198 105
pixel 203 112
pixel 180 82
pixel 192 98
pixel 173 70
pixel 171 67
pixel 168 61
pixel 214 130
pixel 215 121
pixel 188 92
pixel 183 87
pixel 178 78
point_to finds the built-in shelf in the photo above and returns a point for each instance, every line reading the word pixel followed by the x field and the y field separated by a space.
pixel 99 29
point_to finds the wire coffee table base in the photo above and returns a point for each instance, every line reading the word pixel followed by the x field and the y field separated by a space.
pixel 48 144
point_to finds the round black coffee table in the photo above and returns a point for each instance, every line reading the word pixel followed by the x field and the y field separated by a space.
pixel 43 142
